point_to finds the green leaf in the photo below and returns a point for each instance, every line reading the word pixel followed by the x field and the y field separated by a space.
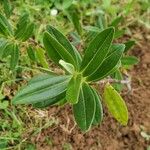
pixel 41 77
pixel 128 7
pixel 52 52
pixel 3 30
pixel 14 57
pixel 99 109
pixel 56 50
pixel 49 102
pixel 22 26
pixel 92 29
pixel 67 3
pixel 101 22
pixel 112 49
pixel 115 104
pixel 97 51
pixel 129 60
pixel 5 26
pixel 7 8
pixel 73 16
pixel 116 21
pixel 31 53
pixel 1 96
pixel 63 4
pixel 119 33
pixel 3 144
pixel 3 44
pixel 7 50
pixel 90 36
pixel 73 89
pixel 129 45
pixel 65 43
pixel 106 4
pixel 28 32
pixel 22 20
pixel 62 102
pixel 108 65
pixel 40 54
pixel 67 66
pixel 61 39
pixel 78 58
pixel 84 110
pixel 75 39
pixel 42 90
pixel 4 105
pixel 116 67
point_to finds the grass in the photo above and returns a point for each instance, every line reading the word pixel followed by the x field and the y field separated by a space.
pixel 20 125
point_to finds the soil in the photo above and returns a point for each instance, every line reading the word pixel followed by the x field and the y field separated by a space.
pixel 110 135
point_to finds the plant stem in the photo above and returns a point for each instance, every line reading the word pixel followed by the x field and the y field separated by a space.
pixel 126 81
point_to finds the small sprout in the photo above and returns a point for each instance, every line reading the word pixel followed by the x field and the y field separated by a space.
pixel 75 86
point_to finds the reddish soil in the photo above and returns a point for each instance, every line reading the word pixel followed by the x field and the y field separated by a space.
pixel 109 135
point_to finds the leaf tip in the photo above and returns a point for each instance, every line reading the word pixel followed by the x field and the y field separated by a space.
pixel 112 29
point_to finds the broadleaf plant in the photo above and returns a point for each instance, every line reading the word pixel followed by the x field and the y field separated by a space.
pixel 13 38
pixel 101 59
